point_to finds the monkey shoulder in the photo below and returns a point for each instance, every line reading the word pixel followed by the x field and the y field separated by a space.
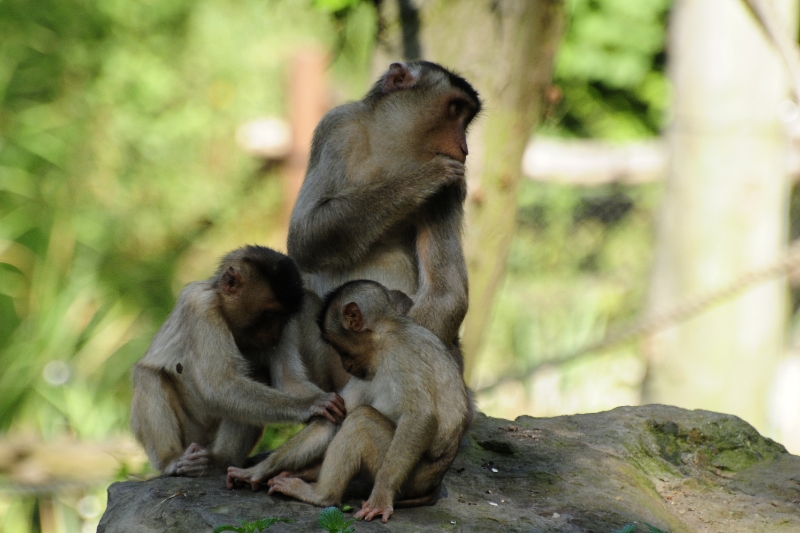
pixel 339 126
pixel 429 347
pixel 342 137
pixel 180 338
pixel 343 115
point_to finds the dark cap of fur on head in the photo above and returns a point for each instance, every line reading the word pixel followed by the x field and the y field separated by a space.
pixel 376 92
pixel 279 269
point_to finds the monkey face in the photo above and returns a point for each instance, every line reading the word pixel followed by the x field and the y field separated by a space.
pixel 449 136
pixel 354 366
pixel 265 331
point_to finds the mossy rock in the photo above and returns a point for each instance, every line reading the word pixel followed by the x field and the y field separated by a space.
pixel 680 471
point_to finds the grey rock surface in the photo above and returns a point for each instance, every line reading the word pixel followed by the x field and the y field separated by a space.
pixel 678 470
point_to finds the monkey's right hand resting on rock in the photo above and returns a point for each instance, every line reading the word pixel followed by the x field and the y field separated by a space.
pixel 224 364
pixel 407 410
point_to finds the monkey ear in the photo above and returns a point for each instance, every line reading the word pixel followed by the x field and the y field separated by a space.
pixel 398 77
pixel 353 316
pixel 231 281
pixel 401 302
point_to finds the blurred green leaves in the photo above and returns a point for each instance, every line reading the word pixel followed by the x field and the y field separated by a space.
pixel 333 6
pixel 610 68
pixel 120 180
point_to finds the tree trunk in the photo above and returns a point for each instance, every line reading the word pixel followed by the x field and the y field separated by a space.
pixel 506 49
pixel 724 213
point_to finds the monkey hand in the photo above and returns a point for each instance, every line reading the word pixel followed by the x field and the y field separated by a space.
pixel 330 405
pixel 370 510
pixel 195 462
pixel 242 477
pixel 452 171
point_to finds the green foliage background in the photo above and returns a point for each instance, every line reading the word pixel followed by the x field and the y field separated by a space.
pixel 120 180
pixel 611 70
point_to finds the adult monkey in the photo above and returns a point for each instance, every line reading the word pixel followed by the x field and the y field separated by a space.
pixel 225 363
pixel 384 193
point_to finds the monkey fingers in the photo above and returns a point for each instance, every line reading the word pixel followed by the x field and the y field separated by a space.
pixel 241 477
pixel 194 461
pixel 454 171
pixel 369 511
pixel 331 406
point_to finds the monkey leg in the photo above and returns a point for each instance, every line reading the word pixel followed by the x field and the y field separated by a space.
pixel 298 489
pixel 302 450
pixel 231 444
pixel 429 499
pixel 157 418
pixel 307 474
pixel 425 483
pixel 359 446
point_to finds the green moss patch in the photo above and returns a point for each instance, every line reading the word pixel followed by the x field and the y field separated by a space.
pixel 727 444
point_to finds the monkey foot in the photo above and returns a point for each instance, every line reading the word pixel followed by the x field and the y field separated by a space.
pixel 296 488
pixel 369 511
pixel 309 474
pixel 241 477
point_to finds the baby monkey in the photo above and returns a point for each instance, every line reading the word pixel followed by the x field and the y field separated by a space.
pixel 407 410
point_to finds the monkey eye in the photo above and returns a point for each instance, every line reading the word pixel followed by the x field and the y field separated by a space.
pixel 456 107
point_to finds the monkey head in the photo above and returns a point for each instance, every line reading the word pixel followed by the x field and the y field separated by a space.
pixel 443 103
pixel 259 289
pixel 353 319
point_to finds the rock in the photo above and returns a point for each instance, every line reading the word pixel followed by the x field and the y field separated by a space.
pixel 680 471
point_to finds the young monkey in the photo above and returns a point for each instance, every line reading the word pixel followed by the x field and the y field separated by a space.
pixel 407 410
pixel 225 363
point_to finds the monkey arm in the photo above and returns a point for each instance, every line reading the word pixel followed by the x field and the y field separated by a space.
pixel 412 438
pixel 246 400
pixel 345 206
pixel 441 300
pixel 286 368
pixel 217 372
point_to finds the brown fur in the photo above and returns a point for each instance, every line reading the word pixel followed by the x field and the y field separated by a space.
pixel 200 400
pixel 407 410
pixel 384 192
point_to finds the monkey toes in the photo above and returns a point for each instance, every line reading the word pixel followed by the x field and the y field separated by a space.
pixel 369 511
pixel 284 484
pixel 298 489
pixel 240 478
